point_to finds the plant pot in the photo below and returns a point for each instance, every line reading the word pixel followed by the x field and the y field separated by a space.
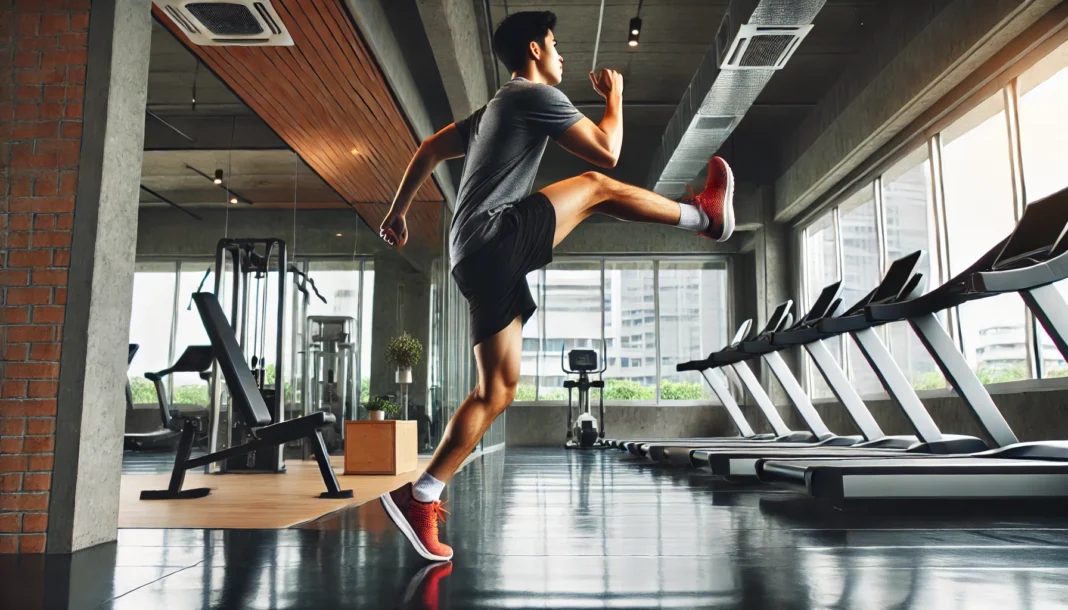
pixel 404 375
pixel 376 415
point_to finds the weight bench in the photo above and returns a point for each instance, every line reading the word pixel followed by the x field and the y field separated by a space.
pixel 252 413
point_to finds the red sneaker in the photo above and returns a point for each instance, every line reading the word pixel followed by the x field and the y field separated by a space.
pixel 426 585
pixel 418 521
pixel 717 200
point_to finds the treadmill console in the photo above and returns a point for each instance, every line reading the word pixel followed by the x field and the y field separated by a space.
pixel 582 360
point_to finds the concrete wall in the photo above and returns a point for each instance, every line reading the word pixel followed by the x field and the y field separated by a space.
pixel 547 425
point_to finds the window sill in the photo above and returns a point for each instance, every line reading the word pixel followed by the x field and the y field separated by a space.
pixel 1008 387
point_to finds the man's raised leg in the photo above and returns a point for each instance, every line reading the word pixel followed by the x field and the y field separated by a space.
pixel 578 198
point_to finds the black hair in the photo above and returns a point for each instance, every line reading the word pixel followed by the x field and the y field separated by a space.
pixel 517 31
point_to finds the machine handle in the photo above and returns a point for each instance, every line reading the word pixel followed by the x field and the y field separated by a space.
pixel 200 287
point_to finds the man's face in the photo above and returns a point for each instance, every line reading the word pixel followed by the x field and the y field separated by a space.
pixel 550 63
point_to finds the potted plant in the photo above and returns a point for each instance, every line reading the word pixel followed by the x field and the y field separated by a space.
pixel 379 407
pixel 404 352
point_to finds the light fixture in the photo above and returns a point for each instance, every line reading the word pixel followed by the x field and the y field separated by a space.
pixel 218 176
pixel 635 29
pixel 355 151
pixel 339 234
pixel 233 200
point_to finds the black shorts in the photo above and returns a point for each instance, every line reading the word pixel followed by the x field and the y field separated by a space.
pixel 493 278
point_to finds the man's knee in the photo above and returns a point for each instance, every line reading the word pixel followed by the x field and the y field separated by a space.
pixel 602 185
pixel 498 393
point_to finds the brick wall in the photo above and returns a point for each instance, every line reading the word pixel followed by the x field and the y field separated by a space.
pixel 42 78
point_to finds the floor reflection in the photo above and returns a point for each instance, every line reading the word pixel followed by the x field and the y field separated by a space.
pixel 556 529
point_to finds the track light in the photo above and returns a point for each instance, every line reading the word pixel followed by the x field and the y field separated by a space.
pixel 635 31
pixel 233 200
pixel 218 176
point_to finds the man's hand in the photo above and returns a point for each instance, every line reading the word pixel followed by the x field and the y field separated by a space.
pixel 608 83
pixel 394 230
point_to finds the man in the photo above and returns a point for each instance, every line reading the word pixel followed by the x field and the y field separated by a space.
pixel 500 232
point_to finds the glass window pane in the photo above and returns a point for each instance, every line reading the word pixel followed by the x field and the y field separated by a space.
pixel 979 213
pixel 367 321
pixel 907 208
pixel 860 273
pixel 572 302
pixel 528 369
pixel 630 331
pixel 1043 133
pixel 693 323
pixel 188 388
pixel 821 262
pixel 151 313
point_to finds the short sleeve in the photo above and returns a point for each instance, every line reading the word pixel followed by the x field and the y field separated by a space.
pixel 468 125
pixel 548 110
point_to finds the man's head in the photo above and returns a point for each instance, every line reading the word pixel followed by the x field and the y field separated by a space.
pixel 527 37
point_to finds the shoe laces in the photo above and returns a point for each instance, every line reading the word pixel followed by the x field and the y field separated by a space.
pixel 692 197
pixel 438 509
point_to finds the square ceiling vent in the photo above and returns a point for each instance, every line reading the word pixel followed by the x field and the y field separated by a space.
pixel 763 47
pixel 227 22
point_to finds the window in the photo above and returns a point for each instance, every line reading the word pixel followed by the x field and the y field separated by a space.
pixel 693 324
pixel 626 284
pixel 821 269
pixel 528 369
pixel 150 326
pixel 860 273
pixel 979 211
pixel 188 387
pixel 907 210
pixel 572 302
pixel 1043 90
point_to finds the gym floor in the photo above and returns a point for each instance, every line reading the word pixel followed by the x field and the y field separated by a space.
pixel 553 529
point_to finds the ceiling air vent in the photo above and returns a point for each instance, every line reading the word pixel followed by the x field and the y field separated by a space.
pixel 227 22
pixel 758 47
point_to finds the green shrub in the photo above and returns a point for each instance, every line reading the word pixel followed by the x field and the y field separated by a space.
pixel 929 381
pixel 191 395
pixel 627 389
pixel 144 391
pixel 404 351
pixel 379 403
pixel 680 390
pixel 524 393
pixel 988 375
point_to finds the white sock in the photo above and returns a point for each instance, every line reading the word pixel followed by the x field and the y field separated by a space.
pixel 692 218
pixel 427 488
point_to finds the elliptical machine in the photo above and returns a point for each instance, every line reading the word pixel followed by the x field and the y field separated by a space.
pixel 583 431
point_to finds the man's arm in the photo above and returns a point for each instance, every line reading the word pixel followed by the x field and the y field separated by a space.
pixel 445 144
pixel 600 144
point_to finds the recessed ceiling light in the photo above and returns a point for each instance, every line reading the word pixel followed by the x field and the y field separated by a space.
pixel 233 200
pixel 339 234
pixel 355 151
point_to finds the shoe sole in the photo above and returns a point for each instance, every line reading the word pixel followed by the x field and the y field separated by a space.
pixel 728 205
pixel 402 524
pixel 417 581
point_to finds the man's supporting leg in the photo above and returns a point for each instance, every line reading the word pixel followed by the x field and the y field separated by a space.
pixel 497 360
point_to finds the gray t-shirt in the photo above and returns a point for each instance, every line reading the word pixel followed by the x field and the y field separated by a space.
pixel 504 140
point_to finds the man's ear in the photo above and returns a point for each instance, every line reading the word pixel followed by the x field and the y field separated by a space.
pixel 535 49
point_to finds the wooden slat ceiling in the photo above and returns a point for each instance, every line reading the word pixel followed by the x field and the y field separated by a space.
pixel 327 98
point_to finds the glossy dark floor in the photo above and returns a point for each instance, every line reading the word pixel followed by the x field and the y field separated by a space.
pixel 556 529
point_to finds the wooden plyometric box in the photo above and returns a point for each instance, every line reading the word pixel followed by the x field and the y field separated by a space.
pixel 381 447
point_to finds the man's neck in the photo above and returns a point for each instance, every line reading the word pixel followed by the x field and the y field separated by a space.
pixel 531 74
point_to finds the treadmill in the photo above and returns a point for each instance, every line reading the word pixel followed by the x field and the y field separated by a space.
pixel 734 359
pixel 679 453
pixel 897 286
pixel 1030 261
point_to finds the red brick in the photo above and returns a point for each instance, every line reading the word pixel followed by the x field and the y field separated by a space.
pixel 40 463
pixel 14 315
pixel 61 258
pixel 63 205
pixel 76 75
pixel 48 315
pixel 27 112
pixel 24 501
pixel 9 544
pixel 36 370
pixel 79 22
pixel 32 543
pixel 68 182
pixel 77 5
pixel 14 278
pixel 74 93
pixel 12 444
pixel 27 408
pixel 11 482
pixel 12 389
pixel 37 43
pixel 18 241
pixel 28 25
pixel 38 444
pixel 20 222
pixel 64 222
pixel 73 41
pixel 61 296
pixel 30 258
pixel 55 24
pixel 29 334
pixel 11 522
pixel 52 239
pixel 15 463
pixel 45 352
pixel 55 93
pixel 50 76
pixel 16 352
pixel 71 130
pixel 26 59
pixel 29 296
pixel 72 57
pixel 31 160
pixel 44 222
pixel 41 129
pixel 22 186
pixel 41 425
pixel 50 110
pixel 28 93
pixel 45 188
pixel 74 110
pixel 35 522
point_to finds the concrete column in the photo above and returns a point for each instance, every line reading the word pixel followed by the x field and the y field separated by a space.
pixel 88 459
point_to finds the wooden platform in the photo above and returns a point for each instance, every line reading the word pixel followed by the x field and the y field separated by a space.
pixel 249 501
